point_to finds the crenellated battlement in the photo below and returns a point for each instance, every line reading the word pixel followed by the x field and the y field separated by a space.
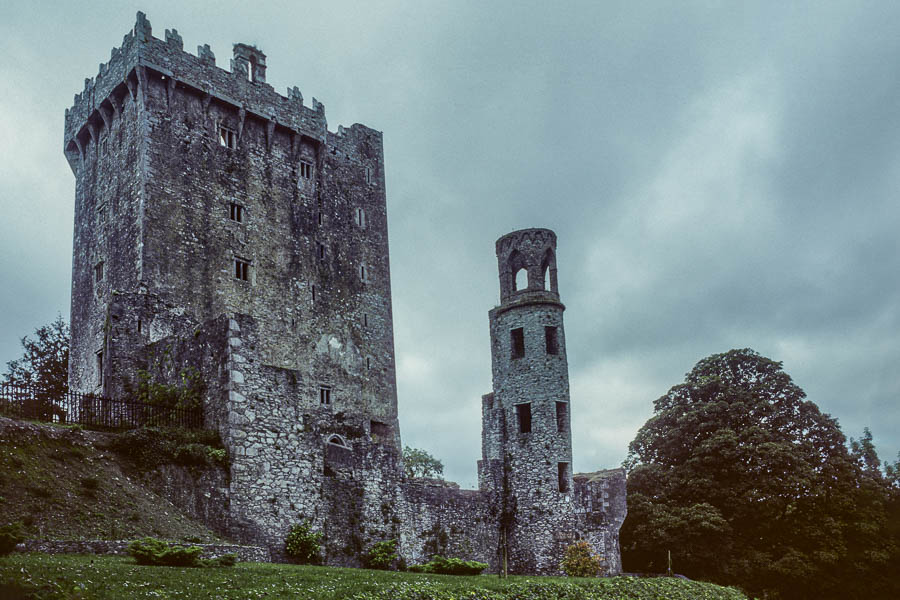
pixel 141 56
pixel 531 250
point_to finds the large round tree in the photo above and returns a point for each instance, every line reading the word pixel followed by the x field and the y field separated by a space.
pixel 746 482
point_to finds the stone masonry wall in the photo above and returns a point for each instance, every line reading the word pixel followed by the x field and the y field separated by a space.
pixel 221 228
pixel 600 511
pixel 439 518
pixel 244 553
pixel 155 189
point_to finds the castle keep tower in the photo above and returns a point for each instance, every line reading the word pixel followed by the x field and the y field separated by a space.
pixel 527 441
pixel 221 229
pixel 202 192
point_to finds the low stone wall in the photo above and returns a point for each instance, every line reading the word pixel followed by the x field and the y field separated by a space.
pixel 244 553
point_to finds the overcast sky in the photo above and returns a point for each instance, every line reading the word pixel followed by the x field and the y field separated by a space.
pixel 719 175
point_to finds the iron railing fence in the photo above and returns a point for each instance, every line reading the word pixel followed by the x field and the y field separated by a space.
pixel 92 411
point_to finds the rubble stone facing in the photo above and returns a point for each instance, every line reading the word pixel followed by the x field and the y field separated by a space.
pixel 219 226
pixel 528 465
pixel 244 553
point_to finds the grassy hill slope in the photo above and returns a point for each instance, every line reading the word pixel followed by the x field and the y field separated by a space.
pixel 66 484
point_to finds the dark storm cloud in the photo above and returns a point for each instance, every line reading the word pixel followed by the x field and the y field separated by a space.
pixel 719 175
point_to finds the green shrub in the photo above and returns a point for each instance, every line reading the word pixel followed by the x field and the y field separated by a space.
pixel 303 544
pixel 10 535
pixel 164 401
pixel 150 447
pixel 450 566
pixel 381 555
pixel 226 560
pixel 218 455
pixel 151 551
pixel 580 561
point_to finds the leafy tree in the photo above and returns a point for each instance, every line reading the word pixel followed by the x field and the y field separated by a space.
pixel 418 463
pixel 45 363
pixel 44 367
pixel 746 482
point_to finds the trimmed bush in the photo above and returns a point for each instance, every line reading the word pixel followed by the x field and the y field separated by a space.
pixel 450 566
pixel 226 560
pixel 580 561
pixel 10 535
pixel 303 544
pixel 381 555
pixel 151 551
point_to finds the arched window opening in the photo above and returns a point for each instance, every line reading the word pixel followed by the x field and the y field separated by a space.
pixel 548 264
pixel 515 271
pixel 251 69
pixel 337 440
pixel 521 279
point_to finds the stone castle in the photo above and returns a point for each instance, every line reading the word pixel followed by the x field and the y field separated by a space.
pixel 221 229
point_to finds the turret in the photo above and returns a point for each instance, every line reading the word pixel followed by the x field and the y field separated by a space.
pixel 527 442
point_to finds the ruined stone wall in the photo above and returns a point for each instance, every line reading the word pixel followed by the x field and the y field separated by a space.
pixel 244 553
pixel 292 459
pixel 440 518
pixel 600 511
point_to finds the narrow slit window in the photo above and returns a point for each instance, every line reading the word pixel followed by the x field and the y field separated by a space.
pixel 325 395
pixel 236 213
pixel 523 417
pixel 305 170
pixel 227 137
pixel 98 271
pixel 363 273
pixel 368 174
pixel 517 342
pixel 361 217
pixel 313 293
pixel 365 319
pixel 563 476
pixel 320 250
pixel 100 368
pixel 368 362
pixel 562 411
pixel 552 339
pixel 242 269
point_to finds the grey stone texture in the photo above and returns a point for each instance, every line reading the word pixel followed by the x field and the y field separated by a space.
pixel 221 227
pixel 526 436
pixel 244 553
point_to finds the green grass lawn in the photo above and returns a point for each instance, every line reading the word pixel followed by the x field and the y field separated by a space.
pixel 40 576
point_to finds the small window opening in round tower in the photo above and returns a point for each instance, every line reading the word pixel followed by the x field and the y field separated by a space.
pixel 548 263
pixel 251 69
pixel 520 281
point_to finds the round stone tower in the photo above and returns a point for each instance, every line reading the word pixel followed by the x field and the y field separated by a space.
pixel 527 441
